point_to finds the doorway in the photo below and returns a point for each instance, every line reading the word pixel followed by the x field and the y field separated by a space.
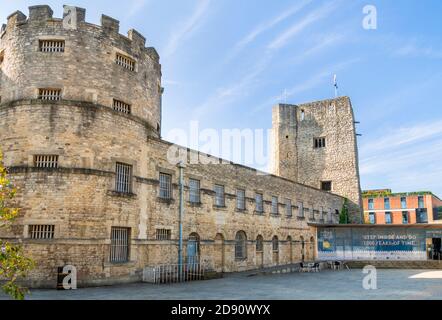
pixel 435 251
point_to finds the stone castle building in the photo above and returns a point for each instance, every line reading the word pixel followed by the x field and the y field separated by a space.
pixel 80 130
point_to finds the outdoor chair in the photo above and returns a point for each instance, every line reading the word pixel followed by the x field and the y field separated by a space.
pixel 303 267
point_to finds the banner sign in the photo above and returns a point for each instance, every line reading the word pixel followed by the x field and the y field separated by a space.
pixel 372 243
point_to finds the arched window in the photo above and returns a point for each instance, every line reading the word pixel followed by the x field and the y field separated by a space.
pixel 275 244
pixel 240 245
pixel 259 244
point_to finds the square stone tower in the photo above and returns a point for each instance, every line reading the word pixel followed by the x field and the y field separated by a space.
pixel 315 144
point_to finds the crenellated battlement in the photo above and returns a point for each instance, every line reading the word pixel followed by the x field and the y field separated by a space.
pixel 74 18
pixel 71 59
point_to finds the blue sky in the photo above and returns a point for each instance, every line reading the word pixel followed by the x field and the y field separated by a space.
pixel 226 62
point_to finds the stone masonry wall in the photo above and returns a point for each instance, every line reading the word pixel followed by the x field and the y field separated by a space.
pixel 296 126
pixel 79 197
pixel 86 70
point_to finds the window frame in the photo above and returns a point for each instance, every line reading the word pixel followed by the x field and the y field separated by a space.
pixel 46 161
pixel 275 244
pixel 275 206
pixel 371 204
pixel 387 205
pixel 288 208
pixel 165 191
pixel 194 191
pixel 241 245
pixel 241 199
pixel 115 256
pixel 372 214
pixel 259 246
pixel 390 214
pixel 319 143
pixel 419 206
pixel 51 48
pixel 123 180
pixel 259 203
pixel 43 232
pixel 220 195
pixel 407 214
pixel 326 183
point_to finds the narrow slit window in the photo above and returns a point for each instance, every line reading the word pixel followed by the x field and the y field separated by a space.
pixel 51 46
pixel 125 62
pixel 46 161
pixel 49 94
pixel 121 106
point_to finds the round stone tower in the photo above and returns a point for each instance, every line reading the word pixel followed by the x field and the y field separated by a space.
pixel 79 103
pixel 68 59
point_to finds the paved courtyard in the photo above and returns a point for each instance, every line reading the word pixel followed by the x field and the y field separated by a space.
pixel 341 285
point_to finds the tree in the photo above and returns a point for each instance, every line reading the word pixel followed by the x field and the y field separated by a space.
pixel 343 217
pixel 13 264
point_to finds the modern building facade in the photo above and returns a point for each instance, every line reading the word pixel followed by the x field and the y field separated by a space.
pixel 80 129
pixel 385 207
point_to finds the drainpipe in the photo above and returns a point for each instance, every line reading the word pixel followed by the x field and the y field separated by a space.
pixel 181 215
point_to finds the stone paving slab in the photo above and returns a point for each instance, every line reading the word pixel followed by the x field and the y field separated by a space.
pixel 326 285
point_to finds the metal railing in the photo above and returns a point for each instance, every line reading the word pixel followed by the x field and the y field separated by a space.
pixel 173 273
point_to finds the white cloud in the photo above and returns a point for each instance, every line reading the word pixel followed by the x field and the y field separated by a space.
pixel 404 159
pixel 314 16
pixel 270 24
pixel 135 6
pixel 309 83
pixel 187 28
pixel 239 88
pixel 416 50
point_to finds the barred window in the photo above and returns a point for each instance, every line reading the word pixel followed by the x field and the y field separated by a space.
pixel 51 45
pixel 275 205
pixel 194 191
pixel 46 161
pixel 240 245
pixel 219 196
pixel 123 178
pixel 275 244
pixel 259 203
pixel 319 143
pixel 125 62
pixel 121 106
pixel 259 244
pixel 41 231
pixel 49 94
pixel 288 207
pixel 163 234
pixel 240 199
pixel 119 249
pixel 165 186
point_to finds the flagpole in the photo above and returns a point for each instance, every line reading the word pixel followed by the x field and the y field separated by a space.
pixel 335 83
